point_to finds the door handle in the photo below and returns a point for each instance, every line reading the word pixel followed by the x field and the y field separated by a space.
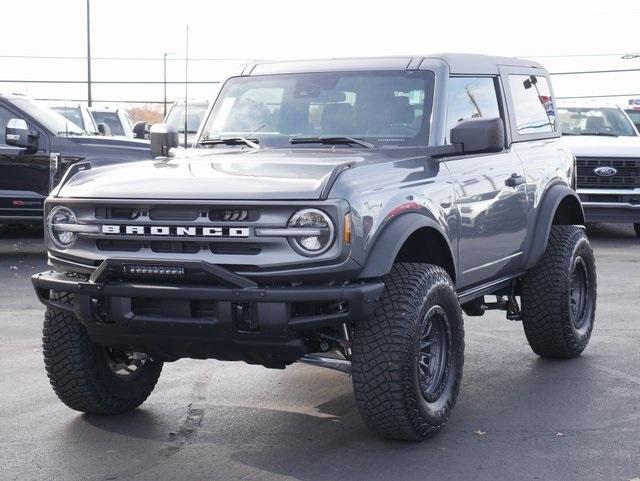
pixel 515 180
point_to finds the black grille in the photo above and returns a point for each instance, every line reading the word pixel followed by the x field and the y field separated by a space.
pixel 174 213
pixel 628 174
pixel 175 308
pixel 175 247
pixel 118 245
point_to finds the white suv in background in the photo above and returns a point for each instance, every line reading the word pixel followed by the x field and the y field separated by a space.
pixel 79 114
pixel 607 148
pixel 117 121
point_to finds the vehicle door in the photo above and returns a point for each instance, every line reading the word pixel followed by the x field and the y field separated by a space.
pixel 489 190
pixel 24 176
pixel 536 138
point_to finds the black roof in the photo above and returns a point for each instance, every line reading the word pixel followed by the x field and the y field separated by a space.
pixel 459 63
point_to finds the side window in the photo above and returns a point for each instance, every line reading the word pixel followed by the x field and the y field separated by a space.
pixel 532 103
pixel 471 98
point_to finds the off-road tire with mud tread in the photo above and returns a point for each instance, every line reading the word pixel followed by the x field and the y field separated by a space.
pixel 79 373
pixel 385 354
pixel 546 295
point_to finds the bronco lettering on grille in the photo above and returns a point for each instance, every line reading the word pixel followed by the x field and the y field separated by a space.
pixel 177 231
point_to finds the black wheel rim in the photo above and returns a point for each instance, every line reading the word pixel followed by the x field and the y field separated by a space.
pixel 433 355
pixel 125 364
pixel 579 293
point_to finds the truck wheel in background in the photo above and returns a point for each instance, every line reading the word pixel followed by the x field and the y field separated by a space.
pixel 407 359
pixel 559 295
pixel 89 377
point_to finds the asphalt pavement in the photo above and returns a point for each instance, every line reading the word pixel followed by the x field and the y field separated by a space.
pixel 518 417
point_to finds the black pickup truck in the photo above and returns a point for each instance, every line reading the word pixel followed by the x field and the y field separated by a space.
pixel 37 146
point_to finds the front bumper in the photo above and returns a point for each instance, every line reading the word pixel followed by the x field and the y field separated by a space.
pixel 263 325
pixel 611 205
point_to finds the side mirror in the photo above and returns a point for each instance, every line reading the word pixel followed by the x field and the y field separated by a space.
pixel 163 137
pixel 479 135
pixel 103 129
pixel 140 130
pixel 17 134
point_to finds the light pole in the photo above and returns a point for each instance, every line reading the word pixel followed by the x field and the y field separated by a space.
pixel 88 54
pixel 164 82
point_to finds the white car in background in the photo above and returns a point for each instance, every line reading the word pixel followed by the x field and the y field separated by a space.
pixel 79 114
pixel 117 121
pixel 196 113
pixel 607 148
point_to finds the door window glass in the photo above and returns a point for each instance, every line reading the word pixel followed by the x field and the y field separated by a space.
pixel 471 98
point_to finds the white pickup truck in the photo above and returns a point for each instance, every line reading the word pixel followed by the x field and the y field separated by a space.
pixel 607 148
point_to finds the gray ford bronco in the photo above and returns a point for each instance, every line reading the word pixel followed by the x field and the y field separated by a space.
pixel 342 213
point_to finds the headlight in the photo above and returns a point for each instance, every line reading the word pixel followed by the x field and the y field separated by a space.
pixel 313 219
pixel 59 217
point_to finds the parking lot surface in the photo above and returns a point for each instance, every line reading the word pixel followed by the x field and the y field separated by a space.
pixel 518 417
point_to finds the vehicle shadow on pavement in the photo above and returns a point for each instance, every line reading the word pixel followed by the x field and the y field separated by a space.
pixel 524 406
pixel 141 424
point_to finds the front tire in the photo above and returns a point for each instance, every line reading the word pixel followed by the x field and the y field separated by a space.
pixel 408 358
pixel 89 377
pixel 559 295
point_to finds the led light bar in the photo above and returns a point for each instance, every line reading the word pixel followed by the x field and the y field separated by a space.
pixel 155 270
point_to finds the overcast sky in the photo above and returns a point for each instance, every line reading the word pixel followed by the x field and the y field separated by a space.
pixel 282 29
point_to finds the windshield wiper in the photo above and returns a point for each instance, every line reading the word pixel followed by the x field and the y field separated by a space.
pixel 604 134
pixel 253 143
pixel 72 132
pixel 330 141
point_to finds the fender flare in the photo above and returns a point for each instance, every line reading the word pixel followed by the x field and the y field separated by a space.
pixel 544 220
pixel 393 236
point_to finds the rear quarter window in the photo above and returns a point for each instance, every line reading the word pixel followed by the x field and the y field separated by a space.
pixel 532 104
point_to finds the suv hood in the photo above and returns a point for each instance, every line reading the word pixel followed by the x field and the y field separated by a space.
pixel 602 146
pixel 262 174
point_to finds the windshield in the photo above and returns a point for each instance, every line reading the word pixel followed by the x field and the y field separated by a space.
pixel 111 120
pixel 595 121
pixel 383 108
pixel 50 120
pixel 72 114
pixel 195 115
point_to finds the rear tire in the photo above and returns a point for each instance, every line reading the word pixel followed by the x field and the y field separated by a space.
pixel 636 227
pixel 89 377
pixel 408 358
pixel 559 295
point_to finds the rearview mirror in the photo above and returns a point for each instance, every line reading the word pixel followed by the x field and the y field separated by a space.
pixel 140 130
pixel 17 134
pixel 479 135
pixel 163 137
